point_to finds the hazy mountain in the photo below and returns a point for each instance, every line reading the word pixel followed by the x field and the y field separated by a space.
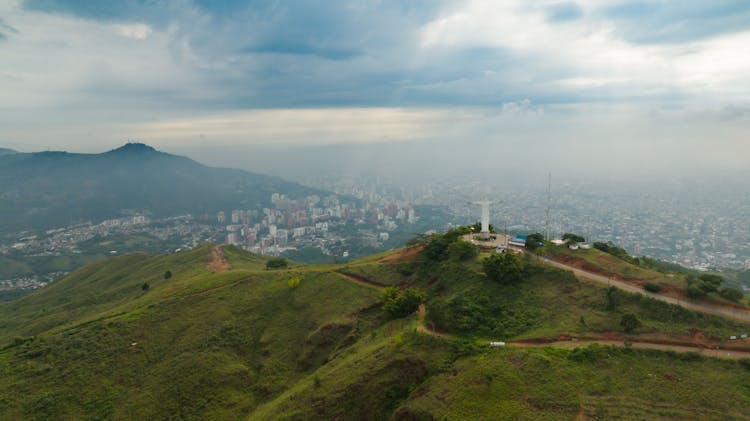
pixel 49 189
pixel 5 151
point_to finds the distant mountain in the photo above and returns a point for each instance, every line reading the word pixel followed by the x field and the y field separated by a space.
pixel 50 189
pixel 5 151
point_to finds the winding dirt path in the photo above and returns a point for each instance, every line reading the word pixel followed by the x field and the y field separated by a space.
pixel 424 329
pixel 360 280
pixel 218 262
pixel 718 353
pixel 635 344
pixel 730 313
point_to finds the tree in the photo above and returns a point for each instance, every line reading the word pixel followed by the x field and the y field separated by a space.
pixel 145 286
pixel 602 246
pixel 505 268
pixel 462 251
pixel 572 238
pixel 695 292
pixel 534 240
pixel 613 298
pixel 276 263
pixel 731 294
pixel 629 322
pixel 477 227
pixel 714 280
pixel 437 249
pixel 652 287
pixel 167 274
pixel 402 303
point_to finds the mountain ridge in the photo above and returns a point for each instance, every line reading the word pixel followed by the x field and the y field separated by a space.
pixel 52 189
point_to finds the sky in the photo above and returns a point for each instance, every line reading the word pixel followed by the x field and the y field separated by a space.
pixel 628 86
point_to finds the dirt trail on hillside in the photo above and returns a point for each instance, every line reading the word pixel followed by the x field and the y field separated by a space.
pixel 360 280
pixel 408 254
pixel 218 262
pixel 634 343
pixel 424 329
pixel 728 312
pixel 707 352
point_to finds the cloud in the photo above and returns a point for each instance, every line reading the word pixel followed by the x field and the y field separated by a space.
pixel 138 31
pixel 265 71
pixel 657 22
pixel 5 29
pixel 521 108
pixel 563 12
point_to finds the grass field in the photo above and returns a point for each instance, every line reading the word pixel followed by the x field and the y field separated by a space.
pixel 248 343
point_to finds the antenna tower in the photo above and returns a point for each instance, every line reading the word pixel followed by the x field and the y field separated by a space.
pixel 549 204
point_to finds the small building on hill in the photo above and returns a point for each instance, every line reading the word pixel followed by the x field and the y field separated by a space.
pixel 518 241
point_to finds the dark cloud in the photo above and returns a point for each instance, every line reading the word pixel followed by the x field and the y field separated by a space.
pixel 121 10
pixel 271 53
pixel 654 22
pixel 5 29
pixel 563 12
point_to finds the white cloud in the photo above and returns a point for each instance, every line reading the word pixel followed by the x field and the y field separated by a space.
pixel 138 31
pixel 306 126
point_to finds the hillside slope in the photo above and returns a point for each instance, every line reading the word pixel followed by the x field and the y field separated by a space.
pixel 51 189
pixel 234 340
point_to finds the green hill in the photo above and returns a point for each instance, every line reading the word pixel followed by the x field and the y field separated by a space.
pixel 52 189
pixel 225 338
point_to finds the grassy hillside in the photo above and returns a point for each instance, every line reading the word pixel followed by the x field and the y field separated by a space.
pixel 246 342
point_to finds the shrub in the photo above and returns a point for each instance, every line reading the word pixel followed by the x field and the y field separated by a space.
pixel 145 286
pixel 714 280
pixel 276 263
pixel 652 287
pixel 167 274
pixel 602 246
pixel 731 294
pixel 462 251
pixel 629 322
pixel 695 292
pixel 293 283
pixel 572 238
pixel 707 287
pixel 402 303
pixel 613 298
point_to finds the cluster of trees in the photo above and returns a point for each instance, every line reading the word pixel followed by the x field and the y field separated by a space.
pixel 572 238
pixel 613 250
pixel 398 303
pixel 701 286
pixel 448 246
pixel 277 263
pixel 504 268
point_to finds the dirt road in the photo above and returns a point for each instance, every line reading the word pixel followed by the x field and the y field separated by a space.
pixel 360 280
pixel 730 313
pixel 718 353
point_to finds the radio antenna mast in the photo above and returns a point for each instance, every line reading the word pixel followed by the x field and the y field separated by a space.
pixel 549 204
